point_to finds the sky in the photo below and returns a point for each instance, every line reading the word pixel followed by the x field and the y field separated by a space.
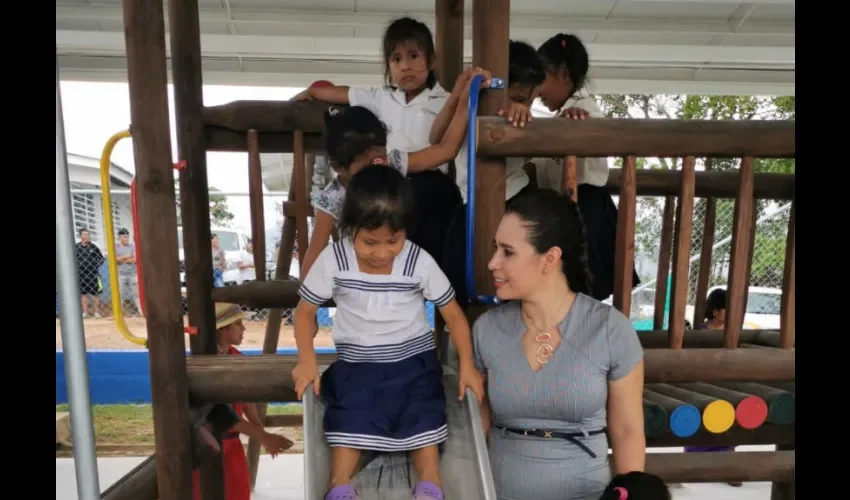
pixel 94 111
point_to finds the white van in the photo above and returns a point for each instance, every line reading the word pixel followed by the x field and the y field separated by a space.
pixel 232 241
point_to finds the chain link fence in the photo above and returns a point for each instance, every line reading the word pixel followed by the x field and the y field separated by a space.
pixel 231 223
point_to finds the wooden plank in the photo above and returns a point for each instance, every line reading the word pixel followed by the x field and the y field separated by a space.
pixel 739 255
pixel 555 137
pixel 299 179
pixel 227 379
pixel 255 198
pixel 144 32
pixel 682 254
pixel 658 182
pixel 624 253
pixel 724 466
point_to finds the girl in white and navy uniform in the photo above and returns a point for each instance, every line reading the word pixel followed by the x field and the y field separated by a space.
pixel 408 103
pixel 356 137
pixel 385 392
pixel 567 64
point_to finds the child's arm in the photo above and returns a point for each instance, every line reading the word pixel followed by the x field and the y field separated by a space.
pixel 444 117
pixel 318 240
pixel 315 290
pixel 450 143
pixel 338 94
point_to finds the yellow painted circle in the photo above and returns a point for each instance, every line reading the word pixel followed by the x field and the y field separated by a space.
pixel 718 416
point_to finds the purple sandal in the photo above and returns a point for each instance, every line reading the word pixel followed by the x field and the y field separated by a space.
pixel 342 492
pixel 426 490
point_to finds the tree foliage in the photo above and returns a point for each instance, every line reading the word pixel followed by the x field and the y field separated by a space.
pixel 220 214
pixel 769 251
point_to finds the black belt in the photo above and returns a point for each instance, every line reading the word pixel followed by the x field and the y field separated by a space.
pixel 569 436
pixel 229 435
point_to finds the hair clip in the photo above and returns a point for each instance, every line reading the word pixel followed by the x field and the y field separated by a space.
pixel 563 44
pixel 624 493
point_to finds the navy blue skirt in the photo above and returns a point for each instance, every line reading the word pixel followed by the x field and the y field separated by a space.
pixel 399 406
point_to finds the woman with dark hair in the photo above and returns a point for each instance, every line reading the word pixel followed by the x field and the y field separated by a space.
pixel 561 367
pixel 564 91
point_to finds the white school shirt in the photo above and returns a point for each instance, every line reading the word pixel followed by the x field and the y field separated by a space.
pixel 593 171
pixel 408 123
pixel 331 198
pixel 515 176
pixel 248 273
pixel 380 318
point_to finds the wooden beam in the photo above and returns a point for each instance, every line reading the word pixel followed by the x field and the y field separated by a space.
pixel 144 32
pixel 184 31
pixel 220 139
pixel 736 436
pixel 681 254
pixel 624 251
pixel 739 255
pixel 554 137
pixel 296 420
pixel 268 116
pixel 787 312
pixel 448 35
pixel 654 339
pixel 227 379
pixel 255 199
pixel 664 258
pixel 657 182
pixel 722 466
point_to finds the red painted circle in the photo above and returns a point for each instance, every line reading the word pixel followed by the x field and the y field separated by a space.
pixel 751 412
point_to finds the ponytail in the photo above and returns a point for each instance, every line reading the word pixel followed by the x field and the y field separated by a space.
pixel 576 268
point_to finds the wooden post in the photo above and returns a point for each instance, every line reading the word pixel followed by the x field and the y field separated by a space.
pixel 184 30
pixel 664 255
pixel 682 254
pixel 448 35
pixel 281 272
pixel 787 310
pixel 739 255
pixel 624 253
pixel 490 40
pixel 144 32
pixel 705 256
pixel 255 195
pixel 301 198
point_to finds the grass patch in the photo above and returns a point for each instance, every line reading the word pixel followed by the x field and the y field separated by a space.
pixel 133 424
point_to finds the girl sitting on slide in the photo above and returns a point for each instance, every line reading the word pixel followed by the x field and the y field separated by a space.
pixel 385 392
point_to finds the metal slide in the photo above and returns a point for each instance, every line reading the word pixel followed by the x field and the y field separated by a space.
pixel 464 464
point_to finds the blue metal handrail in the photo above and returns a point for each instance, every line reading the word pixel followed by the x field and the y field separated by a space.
pixel 471 149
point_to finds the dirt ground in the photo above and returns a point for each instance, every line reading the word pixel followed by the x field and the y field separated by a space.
pixel 104 334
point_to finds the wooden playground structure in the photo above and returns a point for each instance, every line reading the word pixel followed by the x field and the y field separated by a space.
pixel 739 382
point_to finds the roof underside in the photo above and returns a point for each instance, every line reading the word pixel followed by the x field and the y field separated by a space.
pixel 650 46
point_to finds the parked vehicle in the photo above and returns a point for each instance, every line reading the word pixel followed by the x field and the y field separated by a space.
pixel 232 241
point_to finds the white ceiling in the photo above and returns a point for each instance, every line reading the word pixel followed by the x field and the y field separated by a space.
pixel 649 46
pixel 683 46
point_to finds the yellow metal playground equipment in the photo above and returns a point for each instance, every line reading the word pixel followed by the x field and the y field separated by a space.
pixel 117 310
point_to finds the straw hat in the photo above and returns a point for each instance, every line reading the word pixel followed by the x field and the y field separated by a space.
pixel 227 314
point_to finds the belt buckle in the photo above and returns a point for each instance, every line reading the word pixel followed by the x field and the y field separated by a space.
pixel 547 434
pixel 526 431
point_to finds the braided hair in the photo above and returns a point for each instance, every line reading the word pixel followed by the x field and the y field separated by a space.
pixel 553 220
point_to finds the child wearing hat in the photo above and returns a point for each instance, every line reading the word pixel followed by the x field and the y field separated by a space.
pixel 237 481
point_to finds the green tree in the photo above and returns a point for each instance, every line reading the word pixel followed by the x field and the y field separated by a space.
pixel 769 251
pixel 220 214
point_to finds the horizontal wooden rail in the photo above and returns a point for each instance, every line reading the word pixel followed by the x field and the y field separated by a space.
pixel 228 379
pixel 556 137
pixel 656 182
pixel 722 466
pixel 275 121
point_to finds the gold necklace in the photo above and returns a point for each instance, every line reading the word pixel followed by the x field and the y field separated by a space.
pixel 544 348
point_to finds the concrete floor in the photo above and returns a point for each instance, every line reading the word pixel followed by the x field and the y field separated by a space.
pixel 272 485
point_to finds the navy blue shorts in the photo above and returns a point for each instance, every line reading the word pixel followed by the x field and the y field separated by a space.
pixel 399 406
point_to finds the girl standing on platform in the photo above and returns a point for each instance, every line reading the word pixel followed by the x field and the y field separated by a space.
pixel 385 392
pixel 567 64
pixel 408 104
pixel 237 480
pixel 356 137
